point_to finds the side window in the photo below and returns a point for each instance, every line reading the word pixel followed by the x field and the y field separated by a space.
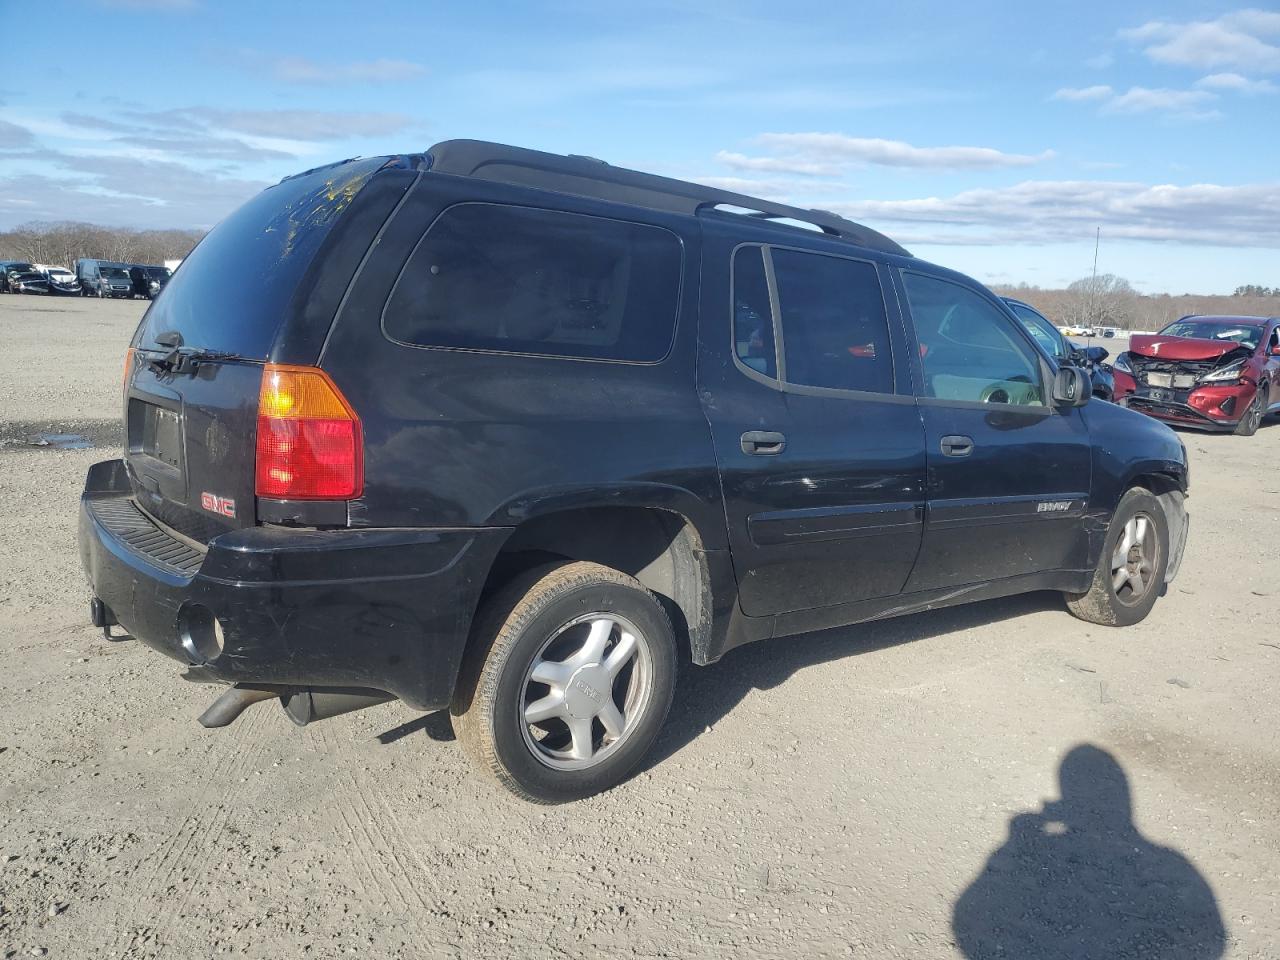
pixel 1039 328
pixel 521 280
pixel 752 313
pixel 834 329
pixel 969 350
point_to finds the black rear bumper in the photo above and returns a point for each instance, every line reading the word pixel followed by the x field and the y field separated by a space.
pixel 382 609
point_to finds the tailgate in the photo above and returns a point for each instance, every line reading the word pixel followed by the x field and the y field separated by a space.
pixel 190 446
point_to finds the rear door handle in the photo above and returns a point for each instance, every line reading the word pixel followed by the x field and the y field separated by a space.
pixel 957 446
pixel 763 443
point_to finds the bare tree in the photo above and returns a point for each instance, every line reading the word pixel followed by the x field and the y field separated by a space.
pixel 63 243
pixel 1102 301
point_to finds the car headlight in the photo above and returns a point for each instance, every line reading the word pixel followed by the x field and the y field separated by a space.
pixel 1231 371
pixel 1121 363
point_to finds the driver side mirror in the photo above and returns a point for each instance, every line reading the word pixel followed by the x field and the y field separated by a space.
pixel 1096 354
pixel 1071 387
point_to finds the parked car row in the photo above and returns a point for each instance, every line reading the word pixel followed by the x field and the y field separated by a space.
pixel 92 278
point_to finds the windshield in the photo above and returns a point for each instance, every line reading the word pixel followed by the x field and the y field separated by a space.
pixel 1041 329
pixel 1242 333
pixel 20 268
pixel 114 273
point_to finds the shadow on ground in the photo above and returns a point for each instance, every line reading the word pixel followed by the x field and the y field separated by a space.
pixel 1077 880
pixel 705 695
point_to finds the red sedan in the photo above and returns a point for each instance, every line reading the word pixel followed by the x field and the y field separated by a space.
pixel 1210 373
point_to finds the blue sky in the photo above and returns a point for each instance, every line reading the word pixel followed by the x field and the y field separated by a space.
pixel 991 137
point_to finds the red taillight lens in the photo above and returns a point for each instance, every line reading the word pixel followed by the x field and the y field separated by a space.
pixel 309 442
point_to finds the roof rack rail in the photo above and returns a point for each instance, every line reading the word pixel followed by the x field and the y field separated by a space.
pixel 587 176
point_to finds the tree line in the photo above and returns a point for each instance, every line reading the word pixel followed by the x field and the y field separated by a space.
pixel 1111 301
pixel 62 244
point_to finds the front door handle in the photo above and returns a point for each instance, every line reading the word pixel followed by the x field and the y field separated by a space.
pixel 957 446
pixel 763 443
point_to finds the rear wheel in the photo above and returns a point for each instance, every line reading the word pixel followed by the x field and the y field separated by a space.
pixel 1130 572
pixel 569 682
pixel 1252 418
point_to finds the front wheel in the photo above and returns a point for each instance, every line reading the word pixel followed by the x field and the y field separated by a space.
pixel 1252 418
pixel 568 683
pixel 1130 572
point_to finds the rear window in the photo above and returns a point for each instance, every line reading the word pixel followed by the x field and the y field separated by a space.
pixel 520 280
pixel 233 288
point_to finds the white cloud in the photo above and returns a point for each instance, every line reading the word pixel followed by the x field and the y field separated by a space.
pixel 13 137
pixel 1236 83
pixel 1190 104
pixel 1100 92
pixel 813 152
pixel 1147 99
pixel 307 71
pixel 812 168
pixel 1048 211
pixel 1239 40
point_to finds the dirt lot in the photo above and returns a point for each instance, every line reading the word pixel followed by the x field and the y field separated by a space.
pixel 872 792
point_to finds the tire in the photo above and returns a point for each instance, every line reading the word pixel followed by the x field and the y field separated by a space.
pixel 553 621
pixel 1252 418
pixel 1106 604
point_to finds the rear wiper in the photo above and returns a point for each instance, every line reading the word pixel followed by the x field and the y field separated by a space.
pixel 177 360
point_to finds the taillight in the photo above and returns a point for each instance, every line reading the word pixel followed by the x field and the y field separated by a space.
pixel 309 442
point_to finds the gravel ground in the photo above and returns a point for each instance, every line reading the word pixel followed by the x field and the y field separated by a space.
pixel 955 784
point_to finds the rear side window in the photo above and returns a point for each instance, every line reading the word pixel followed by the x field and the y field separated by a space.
pixel 834 329
pixel 752 313
pixel 969 350
pixel 520 280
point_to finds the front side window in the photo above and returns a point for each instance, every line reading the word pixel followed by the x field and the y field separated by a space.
pixel 752 313
pixel 521 280
pixel 969 350
pixel 835 333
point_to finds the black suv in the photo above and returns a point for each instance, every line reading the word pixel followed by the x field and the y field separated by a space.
pixel 513 434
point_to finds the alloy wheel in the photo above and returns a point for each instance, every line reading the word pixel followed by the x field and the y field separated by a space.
pixel 1135 559
pixel 586 691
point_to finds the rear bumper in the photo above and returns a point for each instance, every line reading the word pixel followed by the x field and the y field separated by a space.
pixel 382 609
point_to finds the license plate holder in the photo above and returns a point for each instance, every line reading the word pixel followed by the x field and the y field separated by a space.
pixel 162 435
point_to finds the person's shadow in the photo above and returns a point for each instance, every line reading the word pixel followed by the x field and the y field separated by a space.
pixel 1077 880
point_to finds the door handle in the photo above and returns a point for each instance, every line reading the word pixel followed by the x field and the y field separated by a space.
pixel 957 446
pixel 763 443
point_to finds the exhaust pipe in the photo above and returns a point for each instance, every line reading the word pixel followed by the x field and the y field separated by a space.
pixel 308 706
pixel 236 700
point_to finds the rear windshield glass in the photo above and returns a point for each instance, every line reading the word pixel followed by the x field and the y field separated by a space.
pixel 233 288
pixel 494 277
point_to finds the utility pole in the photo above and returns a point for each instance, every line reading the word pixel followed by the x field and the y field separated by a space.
pixel 1093 282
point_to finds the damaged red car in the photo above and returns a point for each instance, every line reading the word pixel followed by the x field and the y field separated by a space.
pixel 1208 373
